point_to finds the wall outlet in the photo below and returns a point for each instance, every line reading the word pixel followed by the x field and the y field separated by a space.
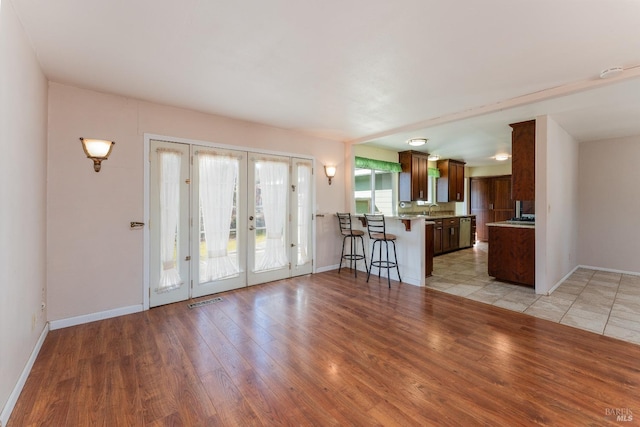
pixel 34 320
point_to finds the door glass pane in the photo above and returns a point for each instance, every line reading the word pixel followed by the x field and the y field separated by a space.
pixel 271 193
pixel 218 188
pixel 303 199
pixel 169 188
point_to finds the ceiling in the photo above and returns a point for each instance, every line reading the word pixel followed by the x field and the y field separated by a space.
pixel 370 71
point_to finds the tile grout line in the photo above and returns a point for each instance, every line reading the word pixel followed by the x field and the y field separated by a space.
pixel 612 304
pixel 573 300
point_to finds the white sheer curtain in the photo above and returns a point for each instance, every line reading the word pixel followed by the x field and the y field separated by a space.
pixel 304 212
pixel 169 183
pixel 218 177
pixel 274 177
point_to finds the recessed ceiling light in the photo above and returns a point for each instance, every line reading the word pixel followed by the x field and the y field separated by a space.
pixel 433 157
pixel 502 157
pixel 611 72
pixel 416 142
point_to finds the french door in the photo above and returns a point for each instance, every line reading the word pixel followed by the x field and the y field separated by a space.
pixel 169 193
pixel 223 219
pixel 219 210
pixel 279 218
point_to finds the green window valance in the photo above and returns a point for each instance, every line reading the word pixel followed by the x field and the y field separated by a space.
pixel 379 165
pixel 434 172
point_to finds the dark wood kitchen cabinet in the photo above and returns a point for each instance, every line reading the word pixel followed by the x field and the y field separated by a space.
pixel 414 177
pixel 491 202
pixel 512 252
pixel 451 181
pixel 450 234
pixel 523 160
pixel 428 250
pixel 474 230
pixel 437 236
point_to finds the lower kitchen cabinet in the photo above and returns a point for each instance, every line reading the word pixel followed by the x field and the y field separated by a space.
pixel 450 234
pixel 512 254
pixel 473 230
pixel 428 250
pixel 437 237
pixel 446 234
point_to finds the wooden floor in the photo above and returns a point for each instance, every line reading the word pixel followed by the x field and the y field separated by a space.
pixel 329 349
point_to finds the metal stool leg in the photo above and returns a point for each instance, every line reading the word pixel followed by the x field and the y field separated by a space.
pixel 395 255
pixel 364 255
pixel 372 263
pixel 379 257
pixel 354 258
pixel 342 254
pixel 386 244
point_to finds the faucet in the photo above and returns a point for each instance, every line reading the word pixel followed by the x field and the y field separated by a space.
pixel 431 206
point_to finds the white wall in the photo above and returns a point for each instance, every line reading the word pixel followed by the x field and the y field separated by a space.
pixel 23 121
pixel 556 204
pixel 363 150
pixel 609 204
pixel 95 261
pixel 493 170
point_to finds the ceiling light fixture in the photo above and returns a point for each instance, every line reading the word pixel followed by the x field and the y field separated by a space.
pixel 416 142
pixel 502 157
pixel 97 150
pixel 611 72
pixel 433 157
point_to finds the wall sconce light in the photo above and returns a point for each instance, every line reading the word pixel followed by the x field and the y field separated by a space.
pixel 97 150
pixel 330 171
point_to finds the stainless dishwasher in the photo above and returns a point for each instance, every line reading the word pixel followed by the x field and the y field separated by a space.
pixel 465 232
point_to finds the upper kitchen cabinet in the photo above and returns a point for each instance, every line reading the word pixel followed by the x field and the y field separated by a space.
pixel 523 160
pixel 414 177
pixel 451 181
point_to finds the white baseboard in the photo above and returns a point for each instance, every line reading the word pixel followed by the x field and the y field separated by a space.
pixel 550 291
pixel 13 397
pixel 610 270
pixel 92 317
pixel 327 268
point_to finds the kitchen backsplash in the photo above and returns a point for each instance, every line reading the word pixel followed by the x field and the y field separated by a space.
pixel 414 208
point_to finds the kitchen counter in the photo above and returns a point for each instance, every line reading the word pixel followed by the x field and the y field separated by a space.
pixel 427 217
pixel 416 243
pixel 411 244
pixel 405 219
pixel 513 224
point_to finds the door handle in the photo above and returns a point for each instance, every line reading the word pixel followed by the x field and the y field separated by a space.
pixel 251 227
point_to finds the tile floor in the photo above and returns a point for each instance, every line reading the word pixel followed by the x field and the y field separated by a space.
pixel 598 301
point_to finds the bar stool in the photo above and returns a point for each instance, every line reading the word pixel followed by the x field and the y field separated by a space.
pixel 344 221
pixel 378 233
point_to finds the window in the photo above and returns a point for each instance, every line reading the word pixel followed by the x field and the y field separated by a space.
pixel 376 184
pixel 432 175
